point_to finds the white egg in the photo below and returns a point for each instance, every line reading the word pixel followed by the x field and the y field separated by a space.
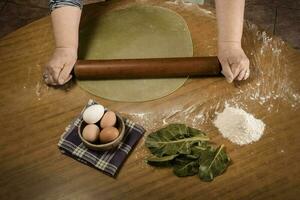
pixel 93 114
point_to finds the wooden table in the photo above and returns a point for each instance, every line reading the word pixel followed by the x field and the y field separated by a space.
pixel 33 116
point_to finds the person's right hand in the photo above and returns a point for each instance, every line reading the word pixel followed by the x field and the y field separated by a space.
pixel 57 70
pixel 235 63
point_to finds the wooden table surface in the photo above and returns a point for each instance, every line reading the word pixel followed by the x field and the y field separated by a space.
pixel 33 116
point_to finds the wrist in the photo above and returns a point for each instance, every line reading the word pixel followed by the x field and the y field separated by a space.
pixel 229 44
pixel 67 42
pixel 67 48
pixel 69 52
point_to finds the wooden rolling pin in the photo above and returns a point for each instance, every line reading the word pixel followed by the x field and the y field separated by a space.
pixel 147 68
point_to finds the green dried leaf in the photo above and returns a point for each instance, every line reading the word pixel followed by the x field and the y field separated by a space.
pixel 174 139
pixel 185 166
pixel 212 163
pixel 198 150
pixel 188 151
pixel 161 159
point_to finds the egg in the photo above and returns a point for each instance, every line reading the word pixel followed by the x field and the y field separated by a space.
pixel 108 134
pixel 108 119
pixel 91 133
pixel 93 114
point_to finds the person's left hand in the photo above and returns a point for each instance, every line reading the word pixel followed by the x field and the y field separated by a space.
pixel 235 63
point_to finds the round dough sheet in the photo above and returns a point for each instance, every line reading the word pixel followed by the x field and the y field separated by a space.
pixel 135 32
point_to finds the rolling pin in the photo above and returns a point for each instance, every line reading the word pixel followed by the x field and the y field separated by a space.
pixel 147 68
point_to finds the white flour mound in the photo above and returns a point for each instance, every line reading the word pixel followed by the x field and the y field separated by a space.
pixel 239 126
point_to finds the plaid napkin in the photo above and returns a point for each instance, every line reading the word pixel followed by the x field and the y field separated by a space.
pixel 109 161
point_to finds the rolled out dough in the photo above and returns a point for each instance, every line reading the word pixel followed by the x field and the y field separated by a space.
pixel 138 31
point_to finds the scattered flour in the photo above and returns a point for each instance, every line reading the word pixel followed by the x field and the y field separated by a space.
pixel 239 126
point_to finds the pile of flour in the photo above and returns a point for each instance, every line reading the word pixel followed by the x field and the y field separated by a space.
pixel 239 126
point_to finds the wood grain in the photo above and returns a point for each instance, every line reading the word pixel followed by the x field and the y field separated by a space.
pixel 34 116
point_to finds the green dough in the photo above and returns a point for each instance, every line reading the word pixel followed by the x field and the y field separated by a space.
pixel 138 31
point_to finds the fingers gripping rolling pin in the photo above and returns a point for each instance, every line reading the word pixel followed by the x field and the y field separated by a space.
pixel 147 68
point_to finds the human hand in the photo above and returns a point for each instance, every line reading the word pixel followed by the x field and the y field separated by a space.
pixel 57 70
pixel 235 63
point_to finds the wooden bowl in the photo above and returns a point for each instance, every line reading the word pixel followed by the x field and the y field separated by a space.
pixel 120 125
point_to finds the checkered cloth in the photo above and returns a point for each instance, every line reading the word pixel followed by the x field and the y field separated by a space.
pixel 109 161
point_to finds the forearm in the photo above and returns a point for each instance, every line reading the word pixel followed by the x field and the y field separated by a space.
pixel 65 21
pixel 53 4
pixel 230 15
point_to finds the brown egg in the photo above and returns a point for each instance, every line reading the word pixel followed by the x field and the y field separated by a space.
pixel 109 119
pixel 91 133
pixel 108 134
